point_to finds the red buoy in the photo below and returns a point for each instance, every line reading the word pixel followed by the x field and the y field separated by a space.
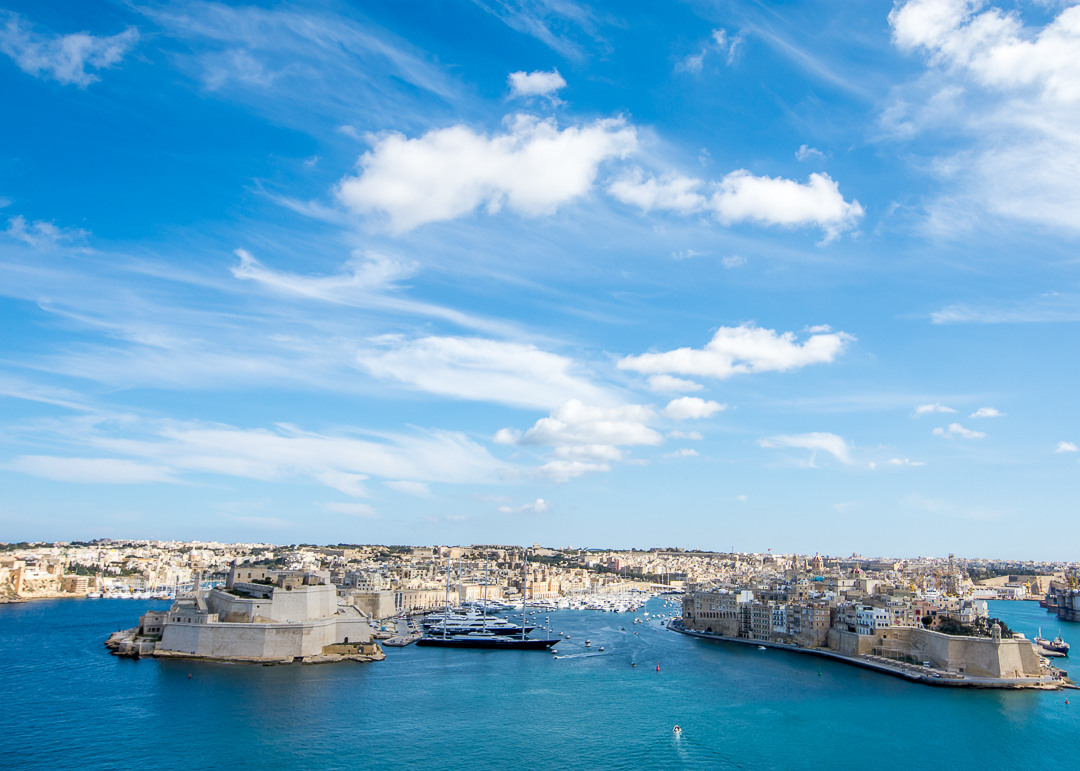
pixel 658 666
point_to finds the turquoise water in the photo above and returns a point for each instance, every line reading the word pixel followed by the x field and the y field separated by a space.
pixel 69 704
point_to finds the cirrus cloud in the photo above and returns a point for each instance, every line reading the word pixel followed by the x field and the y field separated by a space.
pixel 815 441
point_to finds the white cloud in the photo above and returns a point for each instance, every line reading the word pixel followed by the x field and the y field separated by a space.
pixel 1066 447
pixel 590 452
pixel 732 261
pixel 673 193
pixel 1010 91
pixel 538 83
pixel 363 273
pixel 532 169
pixel 575 423
pixel 419 489
pixel 683 452
pixel 667 384
pixel 688 407
pixel 815 441
pixel 169 451
pixel 64 58
pixel 806 152
pixel 956 430
pixel 986 412
pixel 742 197
pixel 904 462
pixel 360 510
pixel 585 438
pixel 565 470
pixel 537 507
pixel 929 409
pixel 111 471
pixel 720 43
pixel 480 369
pixel 40 234
pixel 693 435
pixel 740 350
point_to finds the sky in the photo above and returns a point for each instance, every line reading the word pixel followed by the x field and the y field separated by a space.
pixel 799 276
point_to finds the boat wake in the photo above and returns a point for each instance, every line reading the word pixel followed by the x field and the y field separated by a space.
pixel 581 655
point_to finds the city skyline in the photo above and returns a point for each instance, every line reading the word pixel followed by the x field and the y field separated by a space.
pixel 729 276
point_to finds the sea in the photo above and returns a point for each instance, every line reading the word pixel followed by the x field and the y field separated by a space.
pixel 68 703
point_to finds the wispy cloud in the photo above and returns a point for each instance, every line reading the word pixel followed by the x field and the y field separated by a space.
pixel 816 442
pixel 40 234
pixel 66 59
pixel 1066 447
pixel 539 506
pixel 956 430
pixel 930 409
pixel 987 412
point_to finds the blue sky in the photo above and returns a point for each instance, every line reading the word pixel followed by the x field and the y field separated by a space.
pixel 799 276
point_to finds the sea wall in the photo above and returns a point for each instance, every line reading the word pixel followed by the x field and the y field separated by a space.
pixel 270 641
pixel 979 656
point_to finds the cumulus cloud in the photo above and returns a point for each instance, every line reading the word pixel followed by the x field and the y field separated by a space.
pixel 743 197
pixel 585 438
pixel 539 506
pixel 668 383
pixel 1066 447
pixel 480 369
pixel 538 83
pixel 741 350
pixel 956 430
pixel 1010 90
pixel 684 452
pixel 689 407
pixel 63 58
pixel 986 412
pixel 532 168
pixel 815 441
pixel 576 423
pixel 929 409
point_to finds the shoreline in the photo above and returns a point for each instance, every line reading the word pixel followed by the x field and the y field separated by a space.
pixel 908 672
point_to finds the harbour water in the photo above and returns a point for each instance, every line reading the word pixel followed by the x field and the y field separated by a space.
pixel 69 704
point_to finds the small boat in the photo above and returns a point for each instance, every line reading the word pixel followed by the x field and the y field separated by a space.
pixel 1057 645
pixel 761 647
pixel 676 730
pixel 588 643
